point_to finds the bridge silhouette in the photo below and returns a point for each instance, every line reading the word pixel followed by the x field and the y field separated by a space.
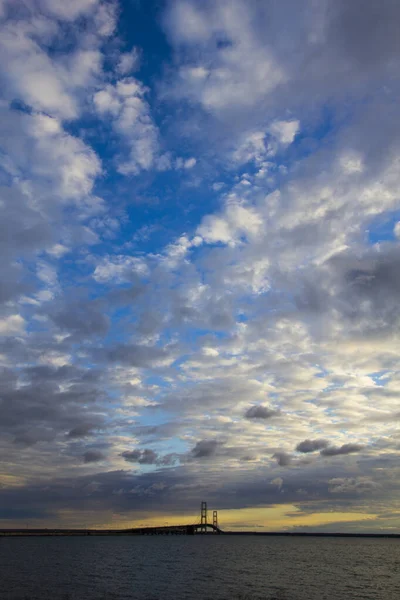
pixel 191 529
pixel 202 527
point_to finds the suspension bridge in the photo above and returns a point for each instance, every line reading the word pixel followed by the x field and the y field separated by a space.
pixel 201 527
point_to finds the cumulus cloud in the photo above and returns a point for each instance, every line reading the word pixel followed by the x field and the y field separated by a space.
pixel 238 220
pixel 261 412
pixel 125 104
pixel 232 78
pixel 82 430
pixel 277 482
pixel 344 485
pixel 81 320
pixel 92 456
pixel 284 131
pixel 11 325
pixel 339 450
pixel 143 457
pixel 129 62
pixel 205 448
pixel 283 458
pixel 311 446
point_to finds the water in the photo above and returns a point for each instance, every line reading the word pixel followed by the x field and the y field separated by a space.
pixel 212 567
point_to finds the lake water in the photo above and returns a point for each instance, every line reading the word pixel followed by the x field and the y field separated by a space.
pixel 199 567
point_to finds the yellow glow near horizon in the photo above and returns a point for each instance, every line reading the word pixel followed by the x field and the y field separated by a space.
pixel 11 480
pixel 271 518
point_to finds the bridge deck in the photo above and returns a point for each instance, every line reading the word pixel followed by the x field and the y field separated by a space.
pixel 191 529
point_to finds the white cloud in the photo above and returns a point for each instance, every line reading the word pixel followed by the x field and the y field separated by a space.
pixel 260 146
pixel 284 131
pixel 55 359
pixel 62 157
pixel 240 73
pixel 58 250
pixel 12 325
pixel 182 163
pixel 189 163
pixel 207 351
pixel 237 220
pixel 128 62
pixel 68 11
pixel 252 147
pixel 130 112
pixel 65 75
pixel 119 269
pixel 277 481
pixel 188 24
pixel 351 162
pixel 25 63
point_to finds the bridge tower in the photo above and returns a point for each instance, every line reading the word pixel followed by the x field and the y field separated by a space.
pixel 215 519
pixel 203 521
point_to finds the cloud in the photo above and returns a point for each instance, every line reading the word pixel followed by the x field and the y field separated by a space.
pixel 223 75
pixel 284 131
pixel 311 446
pixel 345 485
pixel 81 320
pixel 11 325
pixel 52 401
pixel 236 221
pixel 120 269
pixel 26 35
pixel 129 62
pixel 68 12
pixel 339 450
pixel 92 456
pixel 261 412
pixel 125 104
pixel 82 430
pixel 189 163
pixel 143 457
pixel 283 458
pixel 277 481
pixel 205 448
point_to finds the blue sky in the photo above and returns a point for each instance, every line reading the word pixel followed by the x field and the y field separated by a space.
pixel 200 261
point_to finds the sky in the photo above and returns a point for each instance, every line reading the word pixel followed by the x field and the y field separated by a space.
pixel 200 263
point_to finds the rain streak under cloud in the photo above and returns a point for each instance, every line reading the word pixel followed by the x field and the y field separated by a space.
pixel 200 274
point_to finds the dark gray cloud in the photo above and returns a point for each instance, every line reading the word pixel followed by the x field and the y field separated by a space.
pixel 135 355
pixel 338 450
pixel 82 320
pixel 283 458
pixel 367 290
pixel 365 31
pixel 311 445
pixel 205 449
pixel 39 403
pixel 91 456
pixel 143 457
pixel 261 412
pixel 345 485
pixel 82 430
